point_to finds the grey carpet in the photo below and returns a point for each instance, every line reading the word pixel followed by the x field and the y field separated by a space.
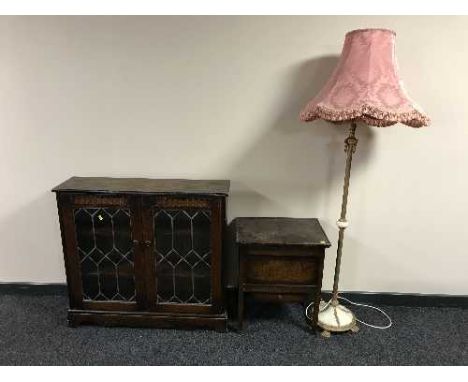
pixel 34 332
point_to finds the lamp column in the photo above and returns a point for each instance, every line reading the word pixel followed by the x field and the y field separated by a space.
pixel 342 223
pixel 332 316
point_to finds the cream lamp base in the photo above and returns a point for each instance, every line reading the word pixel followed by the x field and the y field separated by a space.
pixel 333 317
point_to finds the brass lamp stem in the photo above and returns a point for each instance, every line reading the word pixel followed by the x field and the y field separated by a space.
pixel 350 148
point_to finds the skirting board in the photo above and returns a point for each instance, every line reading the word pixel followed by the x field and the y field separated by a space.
pixel 33 289
pixel 393 298
pixel 377 298
pixel 404 299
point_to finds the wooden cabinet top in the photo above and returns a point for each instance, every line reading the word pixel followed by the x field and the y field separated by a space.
pixel 279 231
pixel 143 185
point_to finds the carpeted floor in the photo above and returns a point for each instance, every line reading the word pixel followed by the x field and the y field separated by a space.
pixel 34 331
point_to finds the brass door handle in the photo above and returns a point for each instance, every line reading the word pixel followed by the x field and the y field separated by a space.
pixel 146 242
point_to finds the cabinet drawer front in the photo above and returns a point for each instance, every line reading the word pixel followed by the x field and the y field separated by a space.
pixel 274 270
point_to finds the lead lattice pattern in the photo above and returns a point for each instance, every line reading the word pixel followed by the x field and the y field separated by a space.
pixel 105 249
pixel 182 249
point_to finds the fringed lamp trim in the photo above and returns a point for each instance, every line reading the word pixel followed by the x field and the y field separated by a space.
pixel 370 115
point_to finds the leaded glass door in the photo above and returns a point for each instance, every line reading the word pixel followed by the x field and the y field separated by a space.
pixel 106 251
pixel 184 256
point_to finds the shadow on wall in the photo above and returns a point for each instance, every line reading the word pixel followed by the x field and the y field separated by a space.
pixel 295 168
pixel 27 257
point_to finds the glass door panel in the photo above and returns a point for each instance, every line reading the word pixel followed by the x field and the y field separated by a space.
pixel 182 252
pixel 105 251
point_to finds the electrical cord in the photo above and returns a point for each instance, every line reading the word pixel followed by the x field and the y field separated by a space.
pixel 390 323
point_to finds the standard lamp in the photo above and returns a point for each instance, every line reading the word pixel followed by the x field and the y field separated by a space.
pixel 364 87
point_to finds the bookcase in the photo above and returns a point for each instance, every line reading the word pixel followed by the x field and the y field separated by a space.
pixel 144 252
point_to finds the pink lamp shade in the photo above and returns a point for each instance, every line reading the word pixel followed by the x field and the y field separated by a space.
pixel 365 85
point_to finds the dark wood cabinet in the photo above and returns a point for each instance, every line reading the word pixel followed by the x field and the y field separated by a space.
pixel 280 259
pixel 144 252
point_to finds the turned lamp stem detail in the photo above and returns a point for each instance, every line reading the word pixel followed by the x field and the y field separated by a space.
pixel 350 148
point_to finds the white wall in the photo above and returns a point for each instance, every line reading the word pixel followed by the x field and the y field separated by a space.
pixel 219 97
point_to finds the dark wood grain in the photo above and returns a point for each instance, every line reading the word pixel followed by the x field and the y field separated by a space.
pixel 263 270
pixel 71 261
pixel 279 259
pixel 217 322
pixel 144 185
pixel 287 231
pixel 140 198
